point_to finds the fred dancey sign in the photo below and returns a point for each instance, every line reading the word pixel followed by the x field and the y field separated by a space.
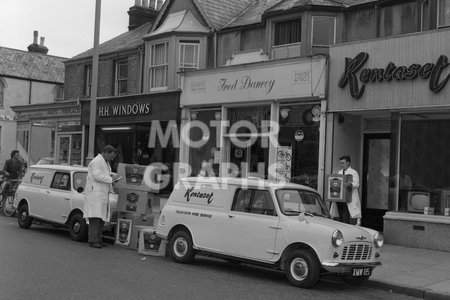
pixel 357 77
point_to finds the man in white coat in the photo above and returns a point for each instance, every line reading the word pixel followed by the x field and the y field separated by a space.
pixel 354 207
pixel 98 185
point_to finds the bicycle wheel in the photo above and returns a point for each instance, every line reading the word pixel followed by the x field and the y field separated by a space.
pixel 8 208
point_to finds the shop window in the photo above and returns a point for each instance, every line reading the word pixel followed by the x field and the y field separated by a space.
pixel 121 77
pixel 323 31
pixel 87 80
pixel 189 56
pixel 205 159
pixel 423 151
pixel 298 152
pixel 287 38
pixel 443 13
pixel 159 65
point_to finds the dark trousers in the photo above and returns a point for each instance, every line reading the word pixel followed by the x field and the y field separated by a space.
pixel 344 215
pixel 95 230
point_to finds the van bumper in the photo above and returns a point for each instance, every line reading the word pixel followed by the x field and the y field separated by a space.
pixel 339 267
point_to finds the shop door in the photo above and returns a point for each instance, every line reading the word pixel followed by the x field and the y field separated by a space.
pixel 251 161
pixel 63 150
pixel 375 180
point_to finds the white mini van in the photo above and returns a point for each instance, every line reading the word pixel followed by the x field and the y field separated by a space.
pixel 53 194
pixel 286 226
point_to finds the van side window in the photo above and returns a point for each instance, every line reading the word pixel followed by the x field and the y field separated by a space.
pixel 61 181
pixel 79 180
pixel 262 203
pixel 241 200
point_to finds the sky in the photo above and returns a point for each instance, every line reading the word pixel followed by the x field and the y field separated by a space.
pixel 67 25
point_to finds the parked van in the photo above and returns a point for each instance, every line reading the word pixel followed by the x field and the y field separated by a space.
pixel 286 226
pixel 53 194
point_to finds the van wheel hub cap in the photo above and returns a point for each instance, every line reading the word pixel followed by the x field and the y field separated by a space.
pixel 76 227
pixel 180 247
pixel 299 269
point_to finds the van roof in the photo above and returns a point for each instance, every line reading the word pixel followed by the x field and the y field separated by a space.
pixel 250 182
pixel 60 167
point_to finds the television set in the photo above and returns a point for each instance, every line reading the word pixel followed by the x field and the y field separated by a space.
pixel 418 200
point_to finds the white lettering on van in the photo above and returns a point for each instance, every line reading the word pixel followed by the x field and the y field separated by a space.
pixel 191 194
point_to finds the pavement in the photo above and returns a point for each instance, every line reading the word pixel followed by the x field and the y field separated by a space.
pixel 415 272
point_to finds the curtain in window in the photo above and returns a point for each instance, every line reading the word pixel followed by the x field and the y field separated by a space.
pixel 444 13
pixel 189 55
pixel 159 65
pixel 288 32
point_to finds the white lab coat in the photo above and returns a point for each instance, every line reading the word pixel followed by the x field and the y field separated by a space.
pixel 96 192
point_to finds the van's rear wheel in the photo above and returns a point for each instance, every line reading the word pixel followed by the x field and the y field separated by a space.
pixel 78 228
pixel 24 218
pixel 302 268
pixel 181 247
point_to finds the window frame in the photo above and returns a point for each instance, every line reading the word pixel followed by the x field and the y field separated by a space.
pixel 281 21
pixel 312 30
pixel 438 15
pixel 249 207
pixel 59 92
pixel 196 63
pixel 57 184
pixel 153 67
pixel 118 64
pixel 88 80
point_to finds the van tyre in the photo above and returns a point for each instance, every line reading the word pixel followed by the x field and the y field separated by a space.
pixel 181 248
pixel 24 218
pixel 302 268
pixel 77 228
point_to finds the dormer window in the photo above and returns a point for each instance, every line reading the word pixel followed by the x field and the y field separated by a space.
pixel 323 31
pixel 189 56
pixel 286 38
pixel 443 13
pixel 159 63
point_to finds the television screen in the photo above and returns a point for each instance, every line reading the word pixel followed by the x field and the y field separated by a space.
pixel 417 201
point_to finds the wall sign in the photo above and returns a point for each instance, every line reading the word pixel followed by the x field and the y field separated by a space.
pixel 358 77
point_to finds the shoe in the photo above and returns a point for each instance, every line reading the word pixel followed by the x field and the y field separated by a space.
pixel 104 245
pixel 95 245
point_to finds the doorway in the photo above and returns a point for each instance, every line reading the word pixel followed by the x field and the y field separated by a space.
pixel 375 179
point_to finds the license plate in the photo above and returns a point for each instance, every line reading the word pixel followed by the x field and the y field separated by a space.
pixel 358 272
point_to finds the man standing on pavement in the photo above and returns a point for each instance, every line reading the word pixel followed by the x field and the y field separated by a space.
pixel 350 211
pixel 98 185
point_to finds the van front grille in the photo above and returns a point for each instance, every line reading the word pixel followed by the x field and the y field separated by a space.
pixel 357 252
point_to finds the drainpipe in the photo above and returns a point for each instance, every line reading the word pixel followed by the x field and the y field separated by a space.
pixel 215 48
pixel 29 92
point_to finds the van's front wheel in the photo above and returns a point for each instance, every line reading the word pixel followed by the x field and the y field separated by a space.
pixel 181 247
pixel 302 268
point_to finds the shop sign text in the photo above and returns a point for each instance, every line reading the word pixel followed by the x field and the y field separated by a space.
pixel 245 83
pixel 124 110
pixel 357 83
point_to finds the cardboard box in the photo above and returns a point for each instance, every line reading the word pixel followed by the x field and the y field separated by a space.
pixel 150 243
pixel 132 201
pixel 133 242
pixel 428 210
pixel 335 189
pixel 137 219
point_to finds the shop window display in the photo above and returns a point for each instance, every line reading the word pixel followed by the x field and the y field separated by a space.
pixel 299 137
pixel 205 160
pixel 423 180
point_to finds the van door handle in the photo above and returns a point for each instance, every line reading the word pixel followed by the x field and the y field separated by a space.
pixel 230 216
pixel 48 192
pixel 67 199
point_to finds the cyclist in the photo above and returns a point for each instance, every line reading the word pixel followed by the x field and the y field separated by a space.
pixel 14 167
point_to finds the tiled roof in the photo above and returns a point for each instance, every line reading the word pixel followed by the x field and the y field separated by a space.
pixel 222 12
pixel 128 40
pixel 253 14
pixel 31 65
pixel 289 4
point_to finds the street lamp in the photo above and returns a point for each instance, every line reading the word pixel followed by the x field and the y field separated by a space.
pixel 93 105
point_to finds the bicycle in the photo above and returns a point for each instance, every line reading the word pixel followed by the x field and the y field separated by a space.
pixel 8 195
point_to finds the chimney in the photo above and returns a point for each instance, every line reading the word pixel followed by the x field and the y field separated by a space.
pixel 141 14
pixel 159 4
pixel 35 47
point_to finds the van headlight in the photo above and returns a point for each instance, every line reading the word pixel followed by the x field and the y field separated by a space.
pixel 378 240
pixel 337 239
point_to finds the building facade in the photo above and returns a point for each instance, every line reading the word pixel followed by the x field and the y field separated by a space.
pixel 29 80
pixel 388 109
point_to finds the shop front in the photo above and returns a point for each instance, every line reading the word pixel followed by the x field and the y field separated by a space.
pixel 50 133
pixel 260 120
pixel 389 109
pixel 125 123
